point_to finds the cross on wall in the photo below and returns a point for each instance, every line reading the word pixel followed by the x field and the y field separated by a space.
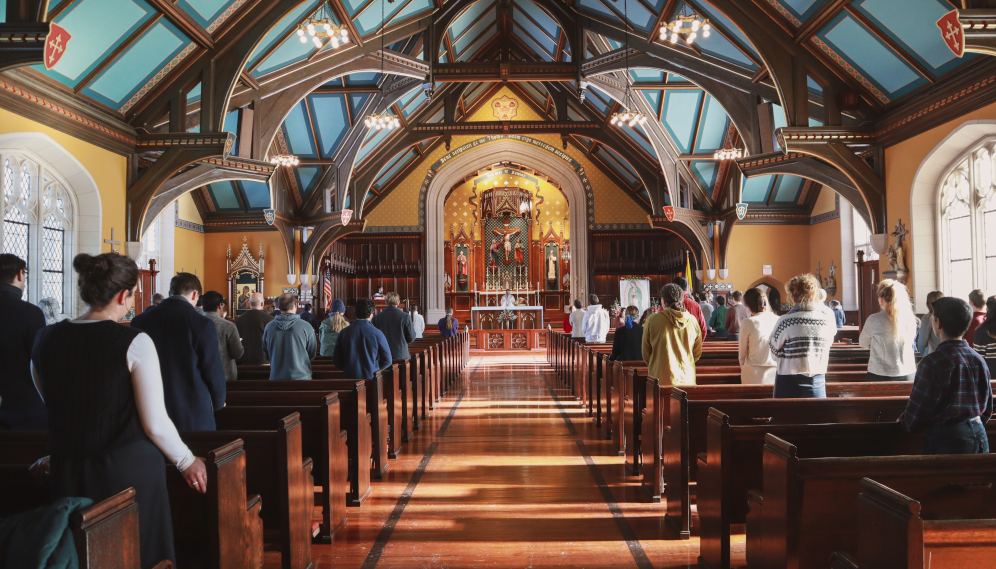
pixel 112 242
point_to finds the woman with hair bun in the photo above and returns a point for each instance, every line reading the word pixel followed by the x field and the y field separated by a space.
pixel 108 427
pixel 889 334
pixel 801 341
pixel 926 340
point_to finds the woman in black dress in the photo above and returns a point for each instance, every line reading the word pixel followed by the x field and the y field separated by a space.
pixel 103 390
pixel 628 342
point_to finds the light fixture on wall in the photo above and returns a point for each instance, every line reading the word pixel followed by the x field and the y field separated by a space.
pixel 629 116
pixel 688 25
pixel 384 121
pixel 728 154
pixel 321 26
pixel 284 160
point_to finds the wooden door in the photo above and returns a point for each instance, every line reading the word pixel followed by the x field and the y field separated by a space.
pixel 868 277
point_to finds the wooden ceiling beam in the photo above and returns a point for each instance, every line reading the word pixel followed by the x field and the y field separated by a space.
pixel 181 19
pixel 112 57
pixel 900 51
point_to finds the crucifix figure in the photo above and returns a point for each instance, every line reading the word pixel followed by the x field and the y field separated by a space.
pixel 506 235
pixel 819 271
pixel 112 242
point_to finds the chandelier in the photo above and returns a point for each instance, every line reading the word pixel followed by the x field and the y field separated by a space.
pixel 687 24
pixel 385 121
pixel 380 122
pixel 630 116
pixel 728 154
pixel 284 160
pixel 321 26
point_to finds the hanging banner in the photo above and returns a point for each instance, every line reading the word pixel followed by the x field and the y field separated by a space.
pixel 55 45
pixel 347 214
pixel 269 215
pixel 669 212
pixel 952 32
pixel 741 210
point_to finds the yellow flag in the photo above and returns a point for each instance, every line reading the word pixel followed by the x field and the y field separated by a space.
pixel 688 271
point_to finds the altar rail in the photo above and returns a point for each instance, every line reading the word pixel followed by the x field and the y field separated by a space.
pixel 504 340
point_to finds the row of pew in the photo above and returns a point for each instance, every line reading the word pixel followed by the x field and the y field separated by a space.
pixel 308 450
pixel 794 474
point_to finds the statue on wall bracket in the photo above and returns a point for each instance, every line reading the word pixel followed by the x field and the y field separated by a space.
pixel 896 254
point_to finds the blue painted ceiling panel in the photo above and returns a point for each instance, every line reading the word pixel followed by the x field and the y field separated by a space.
pixel 224 196
pixel 542 53
pixel 654 98
pixel 298 132
pixel 414 104
pixel 803 9
pixel 680 110
pixel 877 62
pixel 97 27
pixel 710 11
pixel 138 64
pixel 598 8
pixel 541 37
pixel 306 178
pixel 755 190
pixel 331 120
pixel 402 160
pixel 257 194
pixel 647 75
pixel 787 189
pixel 672 78
pixel 610 158
pixel 468 17
pixel 204 11
pixel 288 21
pixel 370 20
pixel 461 44
pixel 639 136
pixel 356 102
pixel 290 51
pixel 362 79
pixel 548 24
pixel 373 139
pixel 814 86
pixel 416 7
pixel 712 131
pixel 705 171
pixel 722 48
pixel 911 23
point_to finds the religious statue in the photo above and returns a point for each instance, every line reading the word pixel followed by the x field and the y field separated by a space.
pixel 900 235
pixel 461 265
pixel 890 254
pixel 519 253
pixel 506 235
pixel 495 255
pixel 551 266
pixel 832 279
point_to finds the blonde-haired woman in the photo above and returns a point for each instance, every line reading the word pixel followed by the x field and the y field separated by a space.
pixel 801 342
pixel 926 340
pixel 328 332
pixel 889 334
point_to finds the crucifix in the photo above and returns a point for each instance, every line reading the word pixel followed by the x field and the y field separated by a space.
pixel 506 236
pixel 819 272
pixel 112 242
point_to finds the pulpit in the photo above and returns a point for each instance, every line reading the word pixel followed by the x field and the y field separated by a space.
pixel 146 287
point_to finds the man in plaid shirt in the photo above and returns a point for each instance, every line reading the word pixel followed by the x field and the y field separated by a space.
pixel 952 398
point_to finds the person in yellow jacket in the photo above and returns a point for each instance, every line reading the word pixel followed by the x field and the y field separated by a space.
pixel 672 340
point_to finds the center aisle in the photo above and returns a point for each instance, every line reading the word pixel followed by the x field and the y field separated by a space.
pixel 507 472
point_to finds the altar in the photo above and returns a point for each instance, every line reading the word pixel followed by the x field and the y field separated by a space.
pixel 490 317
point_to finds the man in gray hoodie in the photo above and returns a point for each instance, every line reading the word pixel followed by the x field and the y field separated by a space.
pixel 289 342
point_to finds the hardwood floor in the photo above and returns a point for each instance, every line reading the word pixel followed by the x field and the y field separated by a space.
pixel 507 474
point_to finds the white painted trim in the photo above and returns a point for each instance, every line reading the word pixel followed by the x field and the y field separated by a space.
pixel 453 172
pixel 925 231
pixel 81 188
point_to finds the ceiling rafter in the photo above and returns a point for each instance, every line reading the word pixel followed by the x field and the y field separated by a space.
pixel 113 56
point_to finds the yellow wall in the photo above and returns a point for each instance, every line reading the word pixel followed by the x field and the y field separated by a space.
pixel 216 248
pixel 109 171
pixel 612 204
pixel 824 248
pixel 901 164
pixel 188 254
pixel 784 247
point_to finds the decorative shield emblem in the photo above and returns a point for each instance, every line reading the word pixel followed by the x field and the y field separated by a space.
pixel 741 210
pixel 347 214
pixel 951 31
pixel 55 44
pixel 669 212
pixel 269 215
pixel 505 109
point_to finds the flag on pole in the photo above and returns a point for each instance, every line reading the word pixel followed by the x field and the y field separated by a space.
pixel 328 289
pixel 688 269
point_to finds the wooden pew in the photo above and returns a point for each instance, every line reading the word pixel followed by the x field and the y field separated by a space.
pixel 732 466
pixel 105 534
pixel 322 439
pixel 220 529
pixel 808 506
pixel 327 381
pixel 354 419
pixel 894 532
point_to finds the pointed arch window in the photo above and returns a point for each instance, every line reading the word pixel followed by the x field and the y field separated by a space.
pixel 967 204
pixel 37 225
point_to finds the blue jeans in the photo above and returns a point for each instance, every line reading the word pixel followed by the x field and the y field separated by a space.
pixel 733 337
pixel 963 438
pixel 800 386
pixel 721 334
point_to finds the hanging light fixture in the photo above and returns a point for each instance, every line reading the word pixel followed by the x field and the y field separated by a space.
pixel 728 154
pixel 321 26
pixel 629 116
pixel 385 121
pixel 284 160
pixel 685 24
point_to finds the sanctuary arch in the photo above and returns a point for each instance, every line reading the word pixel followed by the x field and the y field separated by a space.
pixel 521 150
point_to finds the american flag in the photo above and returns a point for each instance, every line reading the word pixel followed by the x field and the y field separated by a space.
pixel 328 289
